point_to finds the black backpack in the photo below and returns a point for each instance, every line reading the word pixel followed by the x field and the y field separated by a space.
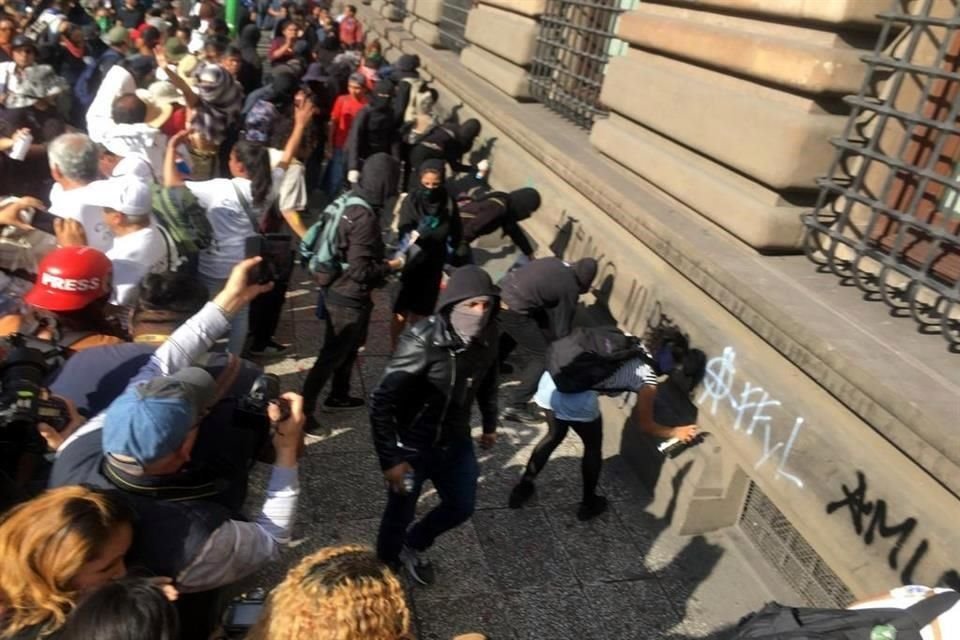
pixel 590 355
pixel 777 622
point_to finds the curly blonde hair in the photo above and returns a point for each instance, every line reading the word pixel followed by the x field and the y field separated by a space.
pixel 337 593
pixel 44 544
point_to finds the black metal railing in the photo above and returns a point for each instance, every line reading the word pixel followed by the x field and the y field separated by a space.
pixel 453 24
pixel 888 214
pixel 573 49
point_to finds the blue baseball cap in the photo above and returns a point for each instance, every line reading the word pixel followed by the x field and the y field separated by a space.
pixel 151 420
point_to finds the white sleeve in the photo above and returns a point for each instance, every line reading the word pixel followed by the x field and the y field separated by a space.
pixel 237 549
pixel 190 341
pixel 207 192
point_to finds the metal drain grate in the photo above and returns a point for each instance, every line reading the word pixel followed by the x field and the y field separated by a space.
pixel 783 547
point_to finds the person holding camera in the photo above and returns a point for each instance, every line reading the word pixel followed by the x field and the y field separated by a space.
pixel 420 417
pixel 69 303
pixel 94 378
pixel 142 444
pixel 57 548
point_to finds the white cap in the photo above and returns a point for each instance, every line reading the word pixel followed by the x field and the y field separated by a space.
pixel 127 194
pixel 134 167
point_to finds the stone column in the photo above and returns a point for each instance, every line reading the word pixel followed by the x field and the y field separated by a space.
pixel 422 19
pixel 729 105
pixel 503 40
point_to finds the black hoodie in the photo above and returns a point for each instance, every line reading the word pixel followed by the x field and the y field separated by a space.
pixel 425 396
pixel 358 236
pixel 549 285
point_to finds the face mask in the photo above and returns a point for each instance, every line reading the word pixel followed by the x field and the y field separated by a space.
pixel 431 195
pixel 469 323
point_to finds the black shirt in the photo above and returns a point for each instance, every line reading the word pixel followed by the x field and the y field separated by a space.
pixel 131 18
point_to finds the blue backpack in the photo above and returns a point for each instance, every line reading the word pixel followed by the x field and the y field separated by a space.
pixel 318 249
pixel 86 87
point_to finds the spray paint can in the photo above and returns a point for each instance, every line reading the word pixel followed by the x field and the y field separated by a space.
pixel 21 144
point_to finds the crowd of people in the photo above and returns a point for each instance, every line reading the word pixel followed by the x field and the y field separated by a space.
pixel 161 177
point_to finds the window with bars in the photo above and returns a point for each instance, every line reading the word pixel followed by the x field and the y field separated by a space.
pixel 575 43
pixel 888 217
pixel 453 24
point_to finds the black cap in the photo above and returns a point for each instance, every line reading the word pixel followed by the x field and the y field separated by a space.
pixel 21 41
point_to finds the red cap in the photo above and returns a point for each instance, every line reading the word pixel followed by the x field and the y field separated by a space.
pixel 70 278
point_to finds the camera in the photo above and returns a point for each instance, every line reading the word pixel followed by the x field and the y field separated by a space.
pixel 26 364
pixel 243 612
pixel 264 392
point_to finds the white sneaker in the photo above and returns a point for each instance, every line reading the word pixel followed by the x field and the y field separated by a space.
pixel 419 568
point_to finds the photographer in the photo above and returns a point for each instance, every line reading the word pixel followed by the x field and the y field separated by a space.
pixel 56 548
pixel 147 436
pixel 69 303
pixel 94 378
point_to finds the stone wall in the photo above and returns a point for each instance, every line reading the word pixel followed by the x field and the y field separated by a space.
pixel 729 105
pixel 503 39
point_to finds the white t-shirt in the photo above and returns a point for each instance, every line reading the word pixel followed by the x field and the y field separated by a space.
pixel 71 205
pixel 231 225
pixel 117 82
pixel 134 256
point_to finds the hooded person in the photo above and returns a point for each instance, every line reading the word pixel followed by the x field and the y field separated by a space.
pixel 430 223
pixel 441 366
pixel 500 211
pixel 539 301
pixel 247 42
pixel 447 142
pixel 347 297
pixel 374 130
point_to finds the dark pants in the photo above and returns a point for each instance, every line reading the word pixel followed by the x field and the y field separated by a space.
pixel 346 333
pixel 528 335
pixel 265 311
pixel 454 471
pixel 592 435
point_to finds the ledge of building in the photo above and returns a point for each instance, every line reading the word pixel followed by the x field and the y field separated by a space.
pixel 900 382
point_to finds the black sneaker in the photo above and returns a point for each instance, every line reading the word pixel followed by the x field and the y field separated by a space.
pixel 521 493
pixel 419 568
pixel 314 428
pixel 524 415
pixel 592 508
pixel 343 404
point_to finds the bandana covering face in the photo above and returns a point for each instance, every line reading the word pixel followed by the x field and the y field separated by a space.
pixel 469 323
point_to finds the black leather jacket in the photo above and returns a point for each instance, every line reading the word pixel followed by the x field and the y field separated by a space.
pixel 427 389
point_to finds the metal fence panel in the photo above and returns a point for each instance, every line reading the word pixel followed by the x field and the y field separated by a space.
pixel 887 218
pixel 573 48
pixel 453 24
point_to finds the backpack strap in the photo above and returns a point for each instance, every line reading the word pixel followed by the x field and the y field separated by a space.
pixel 921 614
pixel 246 208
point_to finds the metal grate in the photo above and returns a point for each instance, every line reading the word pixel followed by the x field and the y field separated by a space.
pixel 453 24
pixel 888 214
pixel 573 48
pixel 783 547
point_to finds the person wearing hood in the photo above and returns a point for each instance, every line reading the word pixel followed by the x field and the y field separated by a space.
pixel 348 298
pixel 430 223
pixel 374 130
pixel 447 142
pixel 501 211
pixel 420 415
pixel 247 43
pixel 539 301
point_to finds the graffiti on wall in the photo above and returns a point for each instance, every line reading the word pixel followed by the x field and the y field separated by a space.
pixel 871 521
pixel 755 413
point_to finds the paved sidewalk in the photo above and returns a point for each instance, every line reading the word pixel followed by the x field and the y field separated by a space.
pixel 535 573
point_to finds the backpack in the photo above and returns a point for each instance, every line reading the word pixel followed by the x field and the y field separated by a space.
pixel 418 93
pixel 86 87
pixel 183 222
pixel 590 355
pixel 777 622
pixel 319 251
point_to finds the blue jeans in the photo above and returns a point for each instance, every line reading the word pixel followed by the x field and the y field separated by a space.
pixel 239 326
pixel 453 469
pixel 334 174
